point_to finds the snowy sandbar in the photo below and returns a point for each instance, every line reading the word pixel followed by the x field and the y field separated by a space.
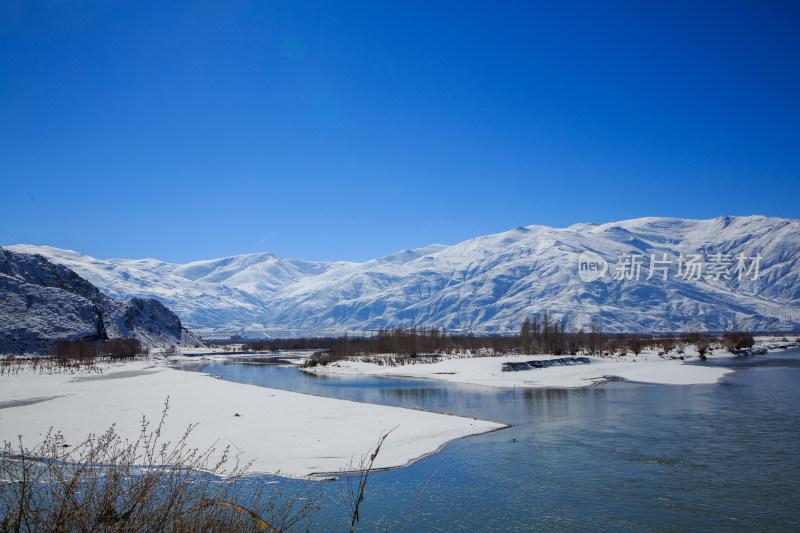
pixel 278 431
pixel 645 368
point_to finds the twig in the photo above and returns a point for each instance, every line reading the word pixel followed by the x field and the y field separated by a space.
pixel 418 499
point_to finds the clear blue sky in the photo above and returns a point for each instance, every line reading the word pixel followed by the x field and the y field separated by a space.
pixel 351 130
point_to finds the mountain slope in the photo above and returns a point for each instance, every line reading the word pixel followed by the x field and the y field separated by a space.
pixel 490 283
pixel 42 302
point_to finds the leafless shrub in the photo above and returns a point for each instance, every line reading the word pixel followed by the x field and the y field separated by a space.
pixel 634 343
pixel 353 483
pixel 701 341
pixel 78 350
pixel 109 484
pixel 323 358
pixel 352 486
pixel 396 360
pixel 122 348
pixel 667 343
pixel 45 365
pixel 736 340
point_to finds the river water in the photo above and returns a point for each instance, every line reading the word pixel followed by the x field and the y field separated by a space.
pixel 614 457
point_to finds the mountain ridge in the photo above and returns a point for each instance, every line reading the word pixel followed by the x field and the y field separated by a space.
pixel 486 284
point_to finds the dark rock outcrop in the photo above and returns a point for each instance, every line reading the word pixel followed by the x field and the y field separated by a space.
pixel 42 302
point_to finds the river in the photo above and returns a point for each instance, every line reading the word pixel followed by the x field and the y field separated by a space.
pixel 619 456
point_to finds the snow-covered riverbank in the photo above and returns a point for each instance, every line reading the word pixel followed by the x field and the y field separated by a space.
pixel 488 371
pixel 647 367
pixel 278 431
pixel 292 433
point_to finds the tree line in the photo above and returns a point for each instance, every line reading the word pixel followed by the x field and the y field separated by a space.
pixel 541 333
pixel 402 341
pixel 66 351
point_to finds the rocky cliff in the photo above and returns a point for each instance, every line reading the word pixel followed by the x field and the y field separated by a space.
pixel 42 302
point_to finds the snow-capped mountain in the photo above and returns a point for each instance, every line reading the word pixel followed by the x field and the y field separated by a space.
pixel 42 302
pixel 658 274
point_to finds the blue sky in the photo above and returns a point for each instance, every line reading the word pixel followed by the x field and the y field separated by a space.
pixel 351 130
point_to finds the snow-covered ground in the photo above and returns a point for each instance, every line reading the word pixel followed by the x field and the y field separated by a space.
pixel 278 431
pixel 647 367
pixel 487 371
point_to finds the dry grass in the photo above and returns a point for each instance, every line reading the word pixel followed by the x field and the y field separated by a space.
pixel 107 484
pixel 13 366
pixel 353 493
